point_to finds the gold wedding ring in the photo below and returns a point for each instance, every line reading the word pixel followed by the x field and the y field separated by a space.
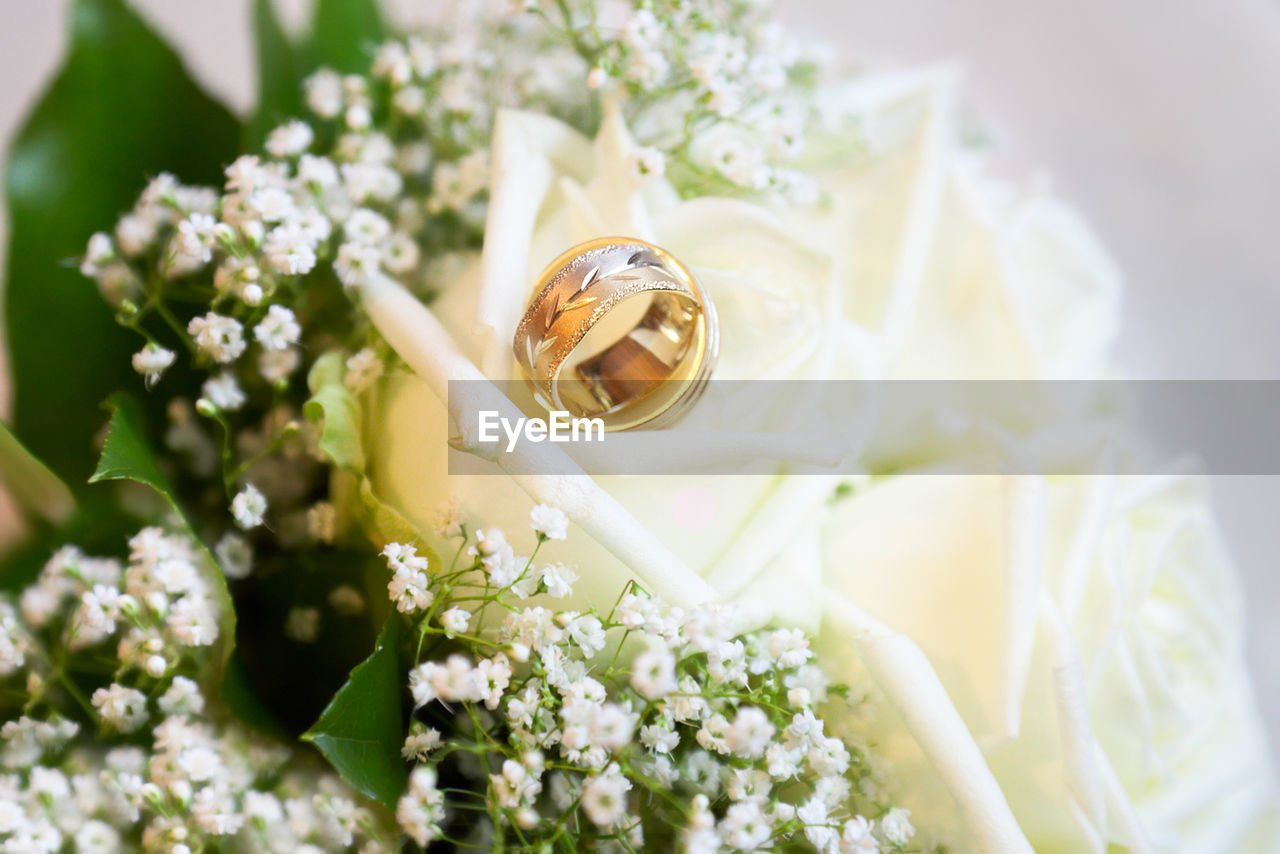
pixel 618 330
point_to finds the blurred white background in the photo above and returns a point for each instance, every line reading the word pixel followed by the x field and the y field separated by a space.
pixel 1159 120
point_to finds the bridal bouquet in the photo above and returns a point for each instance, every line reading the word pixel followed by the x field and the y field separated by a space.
pixel 251 609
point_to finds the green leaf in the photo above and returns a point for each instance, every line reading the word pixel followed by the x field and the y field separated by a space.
pixel 344 34
pixel 31 484
pixel 361 730
pixel 340 417
pixel 127 456
pixel 334 408
pixel 279 75
pixel 121 109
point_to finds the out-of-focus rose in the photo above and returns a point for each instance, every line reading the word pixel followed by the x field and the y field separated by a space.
pixel 1089 630
pixel 917 266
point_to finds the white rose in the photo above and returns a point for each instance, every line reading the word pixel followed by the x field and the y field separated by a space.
pixel 916 268
pixel 1088 631
pixel 919 267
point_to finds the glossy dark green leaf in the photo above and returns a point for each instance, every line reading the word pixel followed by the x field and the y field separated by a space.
pixel 279 75
pixel 361 730
pixel 121 109
pixel 344 34
pixel 127 456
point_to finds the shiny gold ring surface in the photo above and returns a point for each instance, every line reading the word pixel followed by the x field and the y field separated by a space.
pixel 618 329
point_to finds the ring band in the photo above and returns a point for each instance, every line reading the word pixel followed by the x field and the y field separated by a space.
pixel 618 330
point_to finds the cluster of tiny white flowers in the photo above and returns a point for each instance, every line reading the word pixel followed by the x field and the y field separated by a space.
pixel 246 252
pixel 720 92
pixel 106 751
pixel 387 176
pixel 568 723
pixel 448 82
pixel 158 607
pixel 586 723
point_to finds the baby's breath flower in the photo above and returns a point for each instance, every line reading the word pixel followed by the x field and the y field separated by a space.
pixel 278 330
pixel 366 227
pixel 324 93
pixel 558 580
pixel 745 826
pixel 290 139
pixel 219 337
pixel 858 837
pixel 409 586
pixel 193 245
pixel 224 392
pixel 363 370
pixel 356 263
pixel 99 251
pixel 647 162
pixel 790 647
pixel 660 737
pixel 317 172
pixel 653 673
pixel 421 809
pixel 604 798
pixel 273 204
pixel 276 365
pixel 421 741
pixel 152 361
pixel 290 249
pixel 182 698
pixel 549 522
pixel 121 708
pixel 400 253
pixel 249 507
pixel 455 621
pixel 895 827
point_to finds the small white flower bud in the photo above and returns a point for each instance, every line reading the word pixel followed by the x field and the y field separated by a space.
pixel 252 294
pixel 799 697
pixel 206 408
pixel 358 117
pixel 518 652
pixel 151 794
pixel 181 790
pixel 156 666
